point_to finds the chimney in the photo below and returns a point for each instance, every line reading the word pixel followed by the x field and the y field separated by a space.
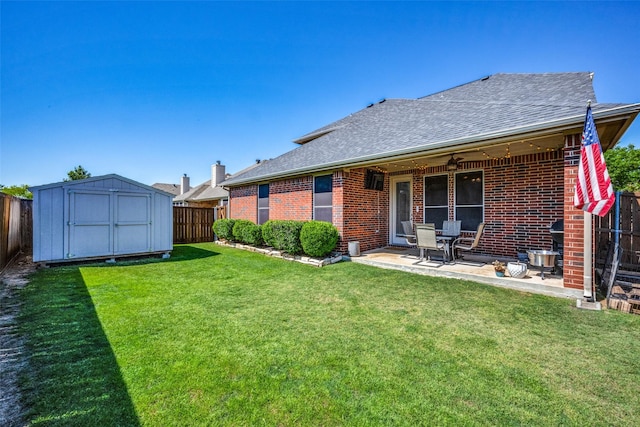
pixel 184 184
pixel 217 173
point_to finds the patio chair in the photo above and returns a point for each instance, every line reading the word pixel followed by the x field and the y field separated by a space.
pixel 409 234
pixel 451 228
pixel 467 243
pixel 426 241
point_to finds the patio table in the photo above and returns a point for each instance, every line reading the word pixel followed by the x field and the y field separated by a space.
pixel 448 240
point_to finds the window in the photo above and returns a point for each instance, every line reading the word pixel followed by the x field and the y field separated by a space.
pixel 323 198
pixel 436 199
pixel 469 202
pixel 263 203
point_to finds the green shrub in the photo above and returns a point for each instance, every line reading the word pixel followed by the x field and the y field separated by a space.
pixel 239 229
pixel 267 233
pixel 286 236
pixel 252 235
pixel 318 238
pixel 224 228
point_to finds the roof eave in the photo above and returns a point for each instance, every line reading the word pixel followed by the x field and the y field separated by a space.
pixel 626 112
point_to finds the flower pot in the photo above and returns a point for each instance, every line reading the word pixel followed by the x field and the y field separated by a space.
pixel 517 269
pixel 500 273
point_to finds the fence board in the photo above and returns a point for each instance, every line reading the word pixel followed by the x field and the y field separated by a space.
pixel 16 227
pixel 629 232
pixel 192 225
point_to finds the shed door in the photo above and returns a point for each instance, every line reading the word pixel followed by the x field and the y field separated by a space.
pixel 90 224
pixel 132 223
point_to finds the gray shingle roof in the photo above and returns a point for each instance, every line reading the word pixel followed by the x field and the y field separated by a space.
pixel 501 104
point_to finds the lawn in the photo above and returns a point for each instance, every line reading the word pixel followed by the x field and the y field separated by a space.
pixel 219 336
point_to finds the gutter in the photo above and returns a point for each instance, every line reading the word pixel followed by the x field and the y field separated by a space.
pixel 445 147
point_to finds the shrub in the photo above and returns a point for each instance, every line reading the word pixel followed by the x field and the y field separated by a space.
pixel 267 233
pixel 239 229
pixel 318 238
pixel 224 228
pixel 286 236
pixel 252 235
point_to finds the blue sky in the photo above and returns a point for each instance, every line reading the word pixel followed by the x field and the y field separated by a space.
pixel 153 90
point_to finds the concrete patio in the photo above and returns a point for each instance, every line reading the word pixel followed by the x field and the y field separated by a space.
pixel 473 268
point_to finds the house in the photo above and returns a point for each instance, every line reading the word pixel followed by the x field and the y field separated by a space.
pixel 209 194
pixel 502 150
pixel 100 217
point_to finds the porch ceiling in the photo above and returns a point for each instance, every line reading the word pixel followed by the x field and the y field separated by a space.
pixel 495 151
pixel 609 133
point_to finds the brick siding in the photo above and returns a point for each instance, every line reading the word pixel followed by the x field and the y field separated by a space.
pixel 523 196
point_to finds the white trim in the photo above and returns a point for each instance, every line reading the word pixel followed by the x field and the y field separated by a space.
pixel 393 180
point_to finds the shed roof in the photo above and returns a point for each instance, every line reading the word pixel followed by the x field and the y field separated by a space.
pixel 96 179
pixel 497 106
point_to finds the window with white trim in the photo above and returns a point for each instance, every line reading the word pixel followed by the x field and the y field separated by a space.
pixel 436 199
pixel 469 199
pixel 323 198
pixel 263 203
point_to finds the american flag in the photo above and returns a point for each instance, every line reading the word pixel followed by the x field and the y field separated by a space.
pixel 594 192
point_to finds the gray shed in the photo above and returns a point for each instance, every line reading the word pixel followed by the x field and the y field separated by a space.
pixel 99 217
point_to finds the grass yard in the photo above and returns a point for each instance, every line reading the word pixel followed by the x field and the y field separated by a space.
pixel 219 336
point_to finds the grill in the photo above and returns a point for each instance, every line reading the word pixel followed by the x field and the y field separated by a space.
pixel 557 234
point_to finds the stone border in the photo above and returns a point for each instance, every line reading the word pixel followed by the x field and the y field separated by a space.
pixel 303 259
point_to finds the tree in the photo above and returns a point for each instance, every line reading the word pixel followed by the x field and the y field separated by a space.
pixel 623 164
pixel 77 173
pixel 21 191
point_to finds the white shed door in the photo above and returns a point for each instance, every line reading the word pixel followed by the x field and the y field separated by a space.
pixel 90 224
pixel 108 223
pixel 132 231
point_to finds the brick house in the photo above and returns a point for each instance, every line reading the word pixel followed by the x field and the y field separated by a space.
pixel 501 150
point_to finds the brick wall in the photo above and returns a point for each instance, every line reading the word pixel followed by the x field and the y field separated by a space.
pixel 243 203
pixel 364 216
pixel 573 256
pixel 291 199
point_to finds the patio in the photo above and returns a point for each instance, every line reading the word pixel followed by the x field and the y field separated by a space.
pixel 474 268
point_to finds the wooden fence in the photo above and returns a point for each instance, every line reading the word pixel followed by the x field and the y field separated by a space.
pixel 194 225
pixel 629 232
pixel 16 228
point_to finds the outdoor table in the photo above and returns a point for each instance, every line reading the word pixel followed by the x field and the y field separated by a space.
pixel 448 240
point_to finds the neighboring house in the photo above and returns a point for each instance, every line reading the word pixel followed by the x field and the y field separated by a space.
pixel 168 188
pixel 209 194
pixel 503 150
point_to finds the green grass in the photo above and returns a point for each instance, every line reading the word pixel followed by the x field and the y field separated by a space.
pixel 218 336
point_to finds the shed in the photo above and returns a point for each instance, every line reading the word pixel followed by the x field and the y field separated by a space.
pixel 100 217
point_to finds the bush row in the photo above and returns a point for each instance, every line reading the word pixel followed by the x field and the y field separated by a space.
pixel 314 238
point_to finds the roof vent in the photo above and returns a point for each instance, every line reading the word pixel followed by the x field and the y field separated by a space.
pixel 485 78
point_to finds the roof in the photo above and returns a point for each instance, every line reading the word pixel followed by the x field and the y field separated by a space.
pixel 168 188
pixel 92 181
pixel 203 192
pixel 497 106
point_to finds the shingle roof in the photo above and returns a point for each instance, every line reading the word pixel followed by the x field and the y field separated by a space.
pixel 500 104
pixel 168 188
pixel 203 192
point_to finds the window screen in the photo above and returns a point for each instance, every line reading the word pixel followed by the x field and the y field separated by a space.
pixel 436 199
pixel 469 202
pixel 323 198
pixel 263 203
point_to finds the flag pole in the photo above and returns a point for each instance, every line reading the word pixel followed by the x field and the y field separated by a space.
pixel 588 253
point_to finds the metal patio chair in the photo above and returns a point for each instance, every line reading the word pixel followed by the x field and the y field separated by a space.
pixel 467 243
pixel 409 234
pixel 426 241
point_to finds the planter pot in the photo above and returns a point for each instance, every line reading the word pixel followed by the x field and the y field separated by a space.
pixel 500 273
pixel 517 269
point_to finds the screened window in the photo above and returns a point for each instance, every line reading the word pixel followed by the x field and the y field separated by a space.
pixel 469 202
pixel 436 199
pixel 323 198
pixel 263 203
